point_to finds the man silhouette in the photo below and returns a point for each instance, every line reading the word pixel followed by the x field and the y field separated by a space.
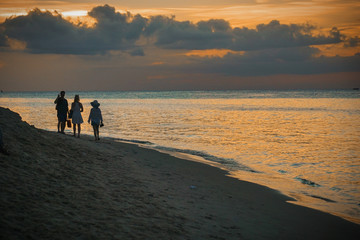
pixel 62 110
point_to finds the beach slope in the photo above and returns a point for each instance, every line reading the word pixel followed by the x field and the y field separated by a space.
pixel 55 186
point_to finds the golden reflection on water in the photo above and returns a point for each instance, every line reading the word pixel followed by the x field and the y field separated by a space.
pixel 307 148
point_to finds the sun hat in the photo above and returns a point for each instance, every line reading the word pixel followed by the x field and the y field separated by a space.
pixel 95 103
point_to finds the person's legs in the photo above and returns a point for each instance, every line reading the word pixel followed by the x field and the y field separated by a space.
pixel 62 120
pixel 94 127
pixel 96 130
pixel 79 129
pixel 98 133
pixel 58 126
pixel 63 127
pixel 74 128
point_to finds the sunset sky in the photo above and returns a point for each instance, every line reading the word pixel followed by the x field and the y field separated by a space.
pixel 179 45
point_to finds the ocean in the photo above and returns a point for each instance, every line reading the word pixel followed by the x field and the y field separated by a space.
pixel 305 144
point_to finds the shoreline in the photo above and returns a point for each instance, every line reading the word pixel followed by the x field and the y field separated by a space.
pixel 57 185
pixel 297 199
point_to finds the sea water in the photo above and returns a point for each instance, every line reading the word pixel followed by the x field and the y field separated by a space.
pixel 305 144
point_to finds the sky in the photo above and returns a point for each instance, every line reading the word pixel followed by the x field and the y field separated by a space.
pixel 142 45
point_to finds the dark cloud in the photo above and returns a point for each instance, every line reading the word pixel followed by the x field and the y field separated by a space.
pixel 352 42
pixel 172 34
pixel 3 38
pixel 42 31
pixel 300 60
pixel 46 32
pixel 116 27
pixel 217 34
pixel 137 52
pixel 276 35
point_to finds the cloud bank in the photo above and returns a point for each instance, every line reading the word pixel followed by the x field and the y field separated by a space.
pixel 218 34
pixel 46 32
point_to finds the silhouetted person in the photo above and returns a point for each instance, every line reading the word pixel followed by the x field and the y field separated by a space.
pixel 96 118
pixel 77 119
pixel 62 110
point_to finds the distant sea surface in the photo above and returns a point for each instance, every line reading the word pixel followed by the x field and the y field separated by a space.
pixel 306 144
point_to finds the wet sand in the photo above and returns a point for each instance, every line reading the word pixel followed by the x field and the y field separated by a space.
pixel 55 186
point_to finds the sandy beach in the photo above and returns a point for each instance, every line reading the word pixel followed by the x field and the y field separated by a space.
pixel 55 186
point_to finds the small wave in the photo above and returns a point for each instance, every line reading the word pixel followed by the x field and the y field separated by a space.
pixel 323 198
pixel 228 162
pixel 336 189
pixel 297 164
pixel 134 141
pixel 307 182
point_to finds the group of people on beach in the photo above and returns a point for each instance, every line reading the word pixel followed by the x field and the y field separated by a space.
pixel 63 113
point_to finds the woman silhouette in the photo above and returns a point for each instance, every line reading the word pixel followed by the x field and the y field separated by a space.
pixel 77 119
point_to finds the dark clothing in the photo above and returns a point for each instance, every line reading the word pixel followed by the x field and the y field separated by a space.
pixel 62 109
pixel 61 117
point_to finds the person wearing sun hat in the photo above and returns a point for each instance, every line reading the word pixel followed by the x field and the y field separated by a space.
pixel 95 118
